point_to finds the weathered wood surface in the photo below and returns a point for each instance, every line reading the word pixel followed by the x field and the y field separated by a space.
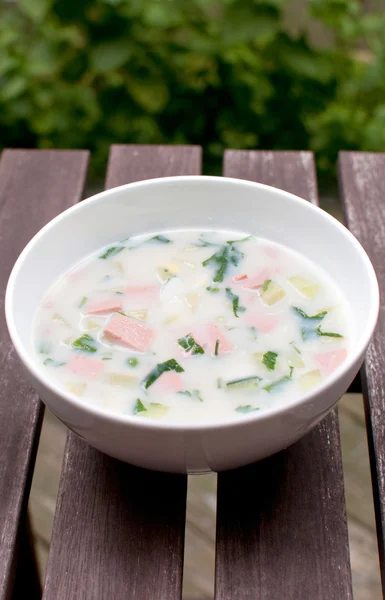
pixel 119 531
pixel 34 187
pixel 281 524
pixel 363 191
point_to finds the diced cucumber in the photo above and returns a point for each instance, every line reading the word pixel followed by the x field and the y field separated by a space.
pixel 305 287
pixel 273 294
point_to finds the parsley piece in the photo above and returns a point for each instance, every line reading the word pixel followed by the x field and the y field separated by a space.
pixel 245 239
pixel 193 394
pixel 245 382
pixel 169 365
pixel 246 408
pixel 213 290
pixel 328 334
pixel 222 259
pixel 216 350
pixel 275 385
pixel 160 238
pixel 309 323
pixel 139 407
pixel 188 343
pixel 266 285
pixel 82 302
pixel 235 302
pixel 85 343
pixel 112 251
pixel 269 360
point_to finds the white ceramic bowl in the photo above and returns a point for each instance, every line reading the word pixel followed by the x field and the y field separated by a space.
pixel 176 202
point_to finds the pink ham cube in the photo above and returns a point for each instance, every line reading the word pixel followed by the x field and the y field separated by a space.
pixel 142 292
pixel 168 383
pixel 129 332
pixel 86 367
pixel 101 307
pixel 208 335
pixel 263 322
pixel 330 361
pixel 239 278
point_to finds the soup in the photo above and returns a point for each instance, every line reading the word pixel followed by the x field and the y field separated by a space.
pixel 192 326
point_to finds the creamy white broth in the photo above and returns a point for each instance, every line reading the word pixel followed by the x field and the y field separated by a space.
pixel 180 319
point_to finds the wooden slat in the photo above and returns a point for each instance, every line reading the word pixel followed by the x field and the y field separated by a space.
pixel 34 187
pixel 363 192
pixel 281 524
pixel 118 530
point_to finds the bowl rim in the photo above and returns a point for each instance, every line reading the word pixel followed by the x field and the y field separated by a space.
pixel 133 420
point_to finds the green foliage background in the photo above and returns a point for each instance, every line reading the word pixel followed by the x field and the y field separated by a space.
pixel 221 73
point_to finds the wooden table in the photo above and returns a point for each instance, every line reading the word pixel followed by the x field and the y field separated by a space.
pixel 118 530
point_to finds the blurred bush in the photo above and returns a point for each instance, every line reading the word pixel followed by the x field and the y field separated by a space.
pixel 221 73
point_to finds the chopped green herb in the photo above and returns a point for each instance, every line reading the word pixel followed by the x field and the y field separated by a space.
pixel 328 334
pixel 245 239
pixel 45 348
pixel 266 285
pixel 269 360
pixel 226 256
pixel 193 394
pixel 246 382
pixel 160 238
pixel 213 290
pixel 310 324
pixel 318 317
pixel 169 365
pixel 188 343
pixel 118 293
pixel 202 243
pixel 132 361
pixel 139 407
pixel 49 362
pixel 246 408
pixel 82 302
pixel 235 302
pixel 295 348
pixel 111 252
pixel 216 348
pixel 275 385
pixel 254 332
pixel 85 343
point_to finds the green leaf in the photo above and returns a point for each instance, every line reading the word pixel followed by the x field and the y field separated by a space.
pixel 139 407
pixel 235 302
pixel 113 251
pixel 245 383
pixel 193 394
pixel 309 324
pixel 266 285
pixel 326 334
pixel 85 343
pixel 160 238
pixel 245 239
pixel 213 290
pixel 269 360
pixel 82 302
pixel 246 408
pixel 110 55
pixel 49 362
pixel 36 10
pixel 189 344
pixel 275 386
pixel 169 365
pixel 227 255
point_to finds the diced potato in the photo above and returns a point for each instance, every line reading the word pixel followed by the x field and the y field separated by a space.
pixel 273 294
pixel 295 360
pixel 192 300
pixel 77 388
pixel 141 315
pixel 57 317
pixel 121 379
pixel 172 267
pixel 119 267
pixel 307 288
pixel 154 411
pixel 90 324
pixel 171 319
pixel 164 273
pixel 310 379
